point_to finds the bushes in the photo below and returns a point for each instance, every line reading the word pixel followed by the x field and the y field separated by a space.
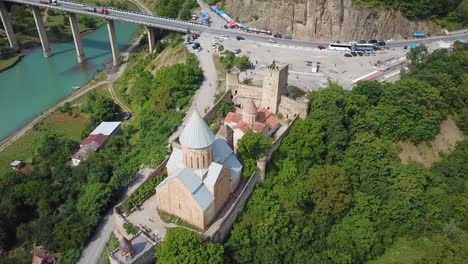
pixel 146 190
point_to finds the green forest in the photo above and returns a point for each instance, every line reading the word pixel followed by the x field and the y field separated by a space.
pixel 58 206
pixel 337 192
pixel 449 13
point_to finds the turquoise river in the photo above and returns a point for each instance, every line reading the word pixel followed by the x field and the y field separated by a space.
pixel 36 83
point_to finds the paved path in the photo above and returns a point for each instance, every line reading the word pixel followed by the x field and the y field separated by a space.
pixel 205 96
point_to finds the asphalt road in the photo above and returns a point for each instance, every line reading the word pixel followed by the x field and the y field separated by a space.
pixel 184 26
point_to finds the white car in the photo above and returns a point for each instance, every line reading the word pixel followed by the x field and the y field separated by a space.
pixel 271 40
pixel 215 41
pixel 225 36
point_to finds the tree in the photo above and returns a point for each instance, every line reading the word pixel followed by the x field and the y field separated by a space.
pixel 228 59
pixel 417 55
pixel 242 62
pixel 409 109
pixel 93 201
pixel 330 191
pixel 183 246
pixel 251 147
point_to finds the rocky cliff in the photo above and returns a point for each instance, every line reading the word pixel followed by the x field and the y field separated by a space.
pixel 325 19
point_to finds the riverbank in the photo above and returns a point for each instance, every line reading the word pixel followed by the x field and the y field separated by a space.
pixel 10 62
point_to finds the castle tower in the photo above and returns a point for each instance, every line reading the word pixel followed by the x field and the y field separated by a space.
pixel 275 84
pixel 126 248
pixel 249 112
pixel 232 81
pixel 197 143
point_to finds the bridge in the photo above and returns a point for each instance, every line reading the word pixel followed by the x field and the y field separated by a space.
pixel 151 22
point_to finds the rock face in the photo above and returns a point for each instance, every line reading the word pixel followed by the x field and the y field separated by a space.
pixel 325 19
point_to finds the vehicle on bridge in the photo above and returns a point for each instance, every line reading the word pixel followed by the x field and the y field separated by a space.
pixel 93 9
pixel 48 2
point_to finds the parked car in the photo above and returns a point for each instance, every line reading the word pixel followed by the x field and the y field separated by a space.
pixel 287 37
pixel 225 27
pixel 199 49
pixel 362 41
pixel 366 54
pixel 405 47
pixel 237 51
pixel 240 38
pixel 225 36
pixel 381 43
pixel 271 40
pixel 196 45
pixel 373 41
pixel 277 35
pixel 320 47
pixel 126 115
pixel 360 53
pixel 353 53
pixel 348 55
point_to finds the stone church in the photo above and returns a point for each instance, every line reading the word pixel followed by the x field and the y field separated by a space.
pixel 272 95
pixel 202 173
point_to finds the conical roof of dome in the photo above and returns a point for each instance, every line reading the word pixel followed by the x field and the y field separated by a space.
pixel 196 134
pixel 249 107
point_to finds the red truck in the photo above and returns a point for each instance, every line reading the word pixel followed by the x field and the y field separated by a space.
pixel 103 11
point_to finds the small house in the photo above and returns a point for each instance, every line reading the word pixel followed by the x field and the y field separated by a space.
pixel 17 165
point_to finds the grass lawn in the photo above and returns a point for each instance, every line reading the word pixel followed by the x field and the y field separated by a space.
pixel 111 244
pixel 8 62
pixel 59 123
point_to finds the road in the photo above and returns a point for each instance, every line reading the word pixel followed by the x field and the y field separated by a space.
pixel 184 26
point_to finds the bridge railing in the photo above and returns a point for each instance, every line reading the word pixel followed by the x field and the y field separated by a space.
pixel 136 13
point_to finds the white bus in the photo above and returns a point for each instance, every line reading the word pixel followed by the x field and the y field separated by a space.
pixel 363 47
pixel 339 46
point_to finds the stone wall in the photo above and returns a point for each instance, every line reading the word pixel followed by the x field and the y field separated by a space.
pixel 119 217
pixel 211 114
pixel 146 257
pixel 290 107
pixel 238 206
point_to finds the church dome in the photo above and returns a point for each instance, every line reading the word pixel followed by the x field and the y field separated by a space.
pixel 196 134
pixel 249 107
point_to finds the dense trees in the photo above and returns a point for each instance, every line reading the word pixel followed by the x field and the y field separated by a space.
pixel 184 246
pixel 338 189
pixel 416 8
pixel 58 206
pixel 251 147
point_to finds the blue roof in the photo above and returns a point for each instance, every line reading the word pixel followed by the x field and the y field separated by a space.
pixel 213 174
pixel 233 163
pixel 221 150
pixel 203 197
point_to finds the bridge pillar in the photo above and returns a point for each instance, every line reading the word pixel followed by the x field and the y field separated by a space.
pixel 113 42
pixel 77 37
pixel 41 31
pixel 151 39
pixel 6 20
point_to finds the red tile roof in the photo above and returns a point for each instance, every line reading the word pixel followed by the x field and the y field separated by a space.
pixel 233 118
pixel 100 139
pixel 264 119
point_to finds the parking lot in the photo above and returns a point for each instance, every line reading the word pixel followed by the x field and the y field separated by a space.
pixel 333 65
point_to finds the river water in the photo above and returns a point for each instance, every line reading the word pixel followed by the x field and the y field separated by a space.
pixel 37 83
